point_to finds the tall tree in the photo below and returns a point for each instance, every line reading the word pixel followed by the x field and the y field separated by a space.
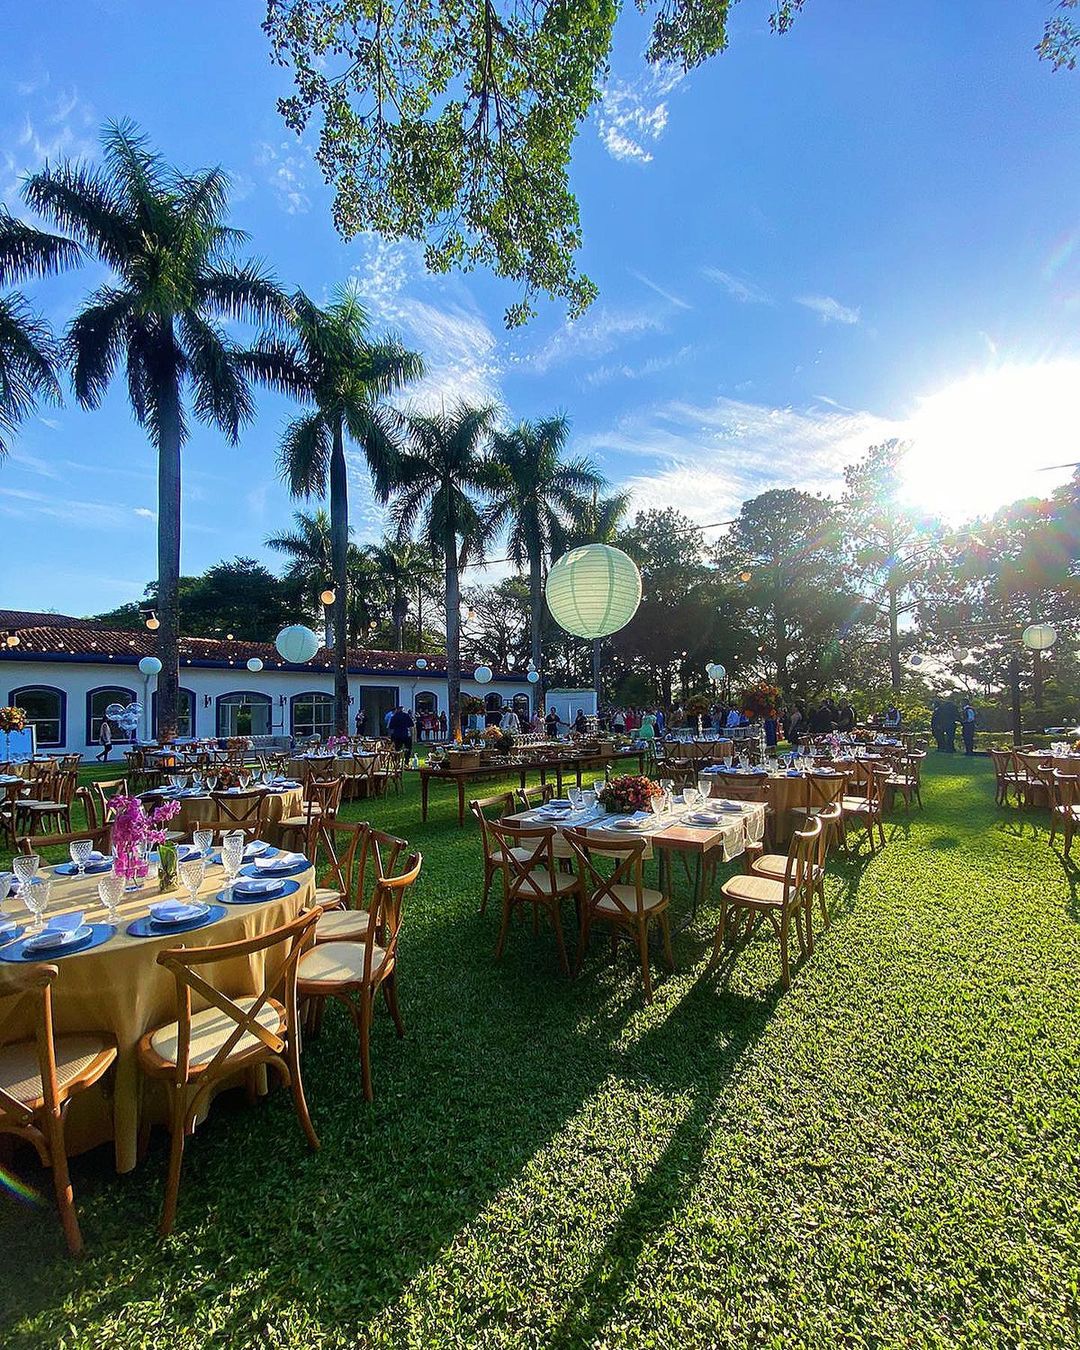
pixel 162 234
pixel 407 570
pixel 442 477
pixel 310 566
pixel 345 375
pixel 539 498
pixel 30 356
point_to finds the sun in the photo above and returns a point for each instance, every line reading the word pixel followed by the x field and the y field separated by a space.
pixel 989 438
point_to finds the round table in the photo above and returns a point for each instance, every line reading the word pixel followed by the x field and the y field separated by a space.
pixel 193 810
pixel 119 988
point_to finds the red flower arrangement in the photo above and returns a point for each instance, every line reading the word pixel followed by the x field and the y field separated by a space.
pixel 627 792
pixel 760 700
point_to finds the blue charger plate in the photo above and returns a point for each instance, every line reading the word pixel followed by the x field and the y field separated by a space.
pixel 99 934
pixel 250 870
pixel 91 869
pixel 148 926
pixel 288 888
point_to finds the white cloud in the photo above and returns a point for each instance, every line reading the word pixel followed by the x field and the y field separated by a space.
pixel 84 513
pixel 745 292
pixel 654 365
pixel 828 309
pixel 56 127
pixel 631 115
pixel 145 513
pixel 669 296
pixel 707 460
pixel 288 168
pixel 598 333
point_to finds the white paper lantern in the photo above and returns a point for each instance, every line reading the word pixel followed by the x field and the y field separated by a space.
pixel 482 674
pixel 915 661
pixel 150 665
pixel 961 654
pixel 533 677
pixel 421 663
pixel 296 644
pixel 254 665
pixel 715 671
pixel 593 591
pixel 1039 637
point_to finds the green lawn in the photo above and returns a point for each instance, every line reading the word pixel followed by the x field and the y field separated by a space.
pixel 887 1155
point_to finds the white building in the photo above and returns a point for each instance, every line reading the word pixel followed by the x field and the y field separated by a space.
pixel 64 673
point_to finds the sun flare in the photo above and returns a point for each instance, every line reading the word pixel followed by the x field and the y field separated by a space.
pixel 990 438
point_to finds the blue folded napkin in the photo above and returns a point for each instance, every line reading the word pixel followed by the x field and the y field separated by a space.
pixel 65 923
pixel 177 911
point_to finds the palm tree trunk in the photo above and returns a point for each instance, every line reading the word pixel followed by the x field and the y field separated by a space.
pixel 168 546
pixel 400 609
pixel 894 638
pixel 536 611
pixel 339 547
pixel 453 633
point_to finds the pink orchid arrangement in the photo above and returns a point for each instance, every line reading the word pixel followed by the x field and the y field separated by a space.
pixel 336 743
pixel 135 831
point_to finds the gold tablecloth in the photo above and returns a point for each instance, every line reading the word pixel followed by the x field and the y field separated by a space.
pixel 120 989
pixel 196 809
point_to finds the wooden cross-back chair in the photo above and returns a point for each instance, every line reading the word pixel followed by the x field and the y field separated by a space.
pixel 1064 807
pixel 780 900
pixel 529 799
pixel 905 780
pixel 531 877
pixel 35 843
pixel 322 801
pixel 502 803
pixel 230 1035
pixel 775 865
pixel 619 898
pixel 40 1076
pixel 867 807
pixel 352 972
pixel 350 919
pixel 52 796
pixel 822 791
pixel 97 795
pixel 244 811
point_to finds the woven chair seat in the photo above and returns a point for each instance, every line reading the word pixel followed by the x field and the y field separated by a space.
pixel 79 1056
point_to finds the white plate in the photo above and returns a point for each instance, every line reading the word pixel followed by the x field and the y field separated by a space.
pixel 627 825
pixel 175 912
pixel 259 886
pixel 55 939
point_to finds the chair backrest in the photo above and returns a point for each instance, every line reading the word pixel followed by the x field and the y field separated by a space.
pixel 34 843
pixel 317 767
pixel 831 818
pixel 535 845
pixel 628 857
pixel 186 965
pixel 381 851
pixel 822 789
pixel 244 810
pixel 97 795
pixel 530 797
pixel 19 986
pixel 341 839
pixel 1065 788
pixel 386 910
pixel 804 854
pixel 503 804
pixel 322 799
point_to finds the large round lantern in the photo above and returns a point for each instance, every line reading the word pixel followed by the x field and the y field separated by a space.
pixel 593 591
pixel 254 665
pixel 533 677
pixel 421 663
pixel 482 674
pixel 1039 637
pixel 150 665
pixel 296 644
pixel 715 671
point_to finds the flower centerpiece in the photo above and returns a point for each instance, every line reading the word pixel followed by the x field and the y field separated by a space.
pixel 760 700
pixel 11 719
pixel 495 738
pixel 627 792
pixel 337 745
pixel 135 831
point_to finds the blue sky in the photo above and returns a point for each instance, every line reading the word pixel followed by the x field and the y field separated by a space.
pixel 867 227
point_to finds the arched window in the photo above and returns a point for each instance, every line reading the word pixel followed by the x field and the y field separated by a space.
pixel 312 715
pixel 425 703
pixel 185 712
pixel 243 713
pixel 521 706
pixel 97 700
pixel 46 711
pixel 493 702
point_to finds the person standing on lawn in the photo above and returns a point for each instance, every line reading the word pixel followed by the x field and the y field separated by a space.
pixel 968 720
pixel 105 740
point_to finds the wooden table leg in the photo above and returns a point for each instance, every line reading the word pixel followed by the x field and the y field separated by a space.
pixel 558 779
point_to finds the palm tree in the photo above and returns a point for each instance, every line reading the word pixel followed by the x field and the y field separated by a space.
pixel 30 356
pixel 367 593
pixel 440 476
pixel 307 546
pixel 599 523
pixel 406 569
pixel 344 375
pixel 161 233
pixel 539 497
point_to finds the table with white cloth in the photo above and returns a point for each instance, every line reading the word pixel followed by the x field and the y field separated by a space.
pixel 195 808
pixel 119 989
pixel 668 833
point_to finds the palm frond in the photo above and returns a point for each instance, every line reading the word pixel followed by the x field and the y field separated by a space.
pixel 29 357
pixel 276 364
pixel 95 342
pixel 222 394
pixel 247 292
pixel 85 203
pixel 304 457
pixel 29 252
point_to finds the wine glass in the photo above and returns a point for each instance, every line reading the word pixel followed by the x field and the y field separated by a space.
pixel 667 787
pixel 232 858
pixel 574 797
pixel 110 889
pixel 192 871
pixel 691 796
pixel 203 839
pixel 704 784
pixel 80 850
pixel 25 866
pixel 35 896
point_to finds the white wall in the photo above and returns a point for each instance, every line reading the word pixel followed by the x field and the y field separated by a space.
pixel 77 679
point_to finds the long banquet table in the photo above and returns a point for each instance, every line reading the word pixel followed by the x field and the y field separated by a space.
pixel 119 989
pixel 544 765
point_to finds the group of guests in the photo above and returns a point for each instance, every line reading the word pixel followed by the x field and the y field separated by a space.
pixel 945 717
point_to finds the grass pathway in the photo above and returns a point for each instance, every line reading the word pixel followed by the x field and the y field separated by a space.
pixel 887 1155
